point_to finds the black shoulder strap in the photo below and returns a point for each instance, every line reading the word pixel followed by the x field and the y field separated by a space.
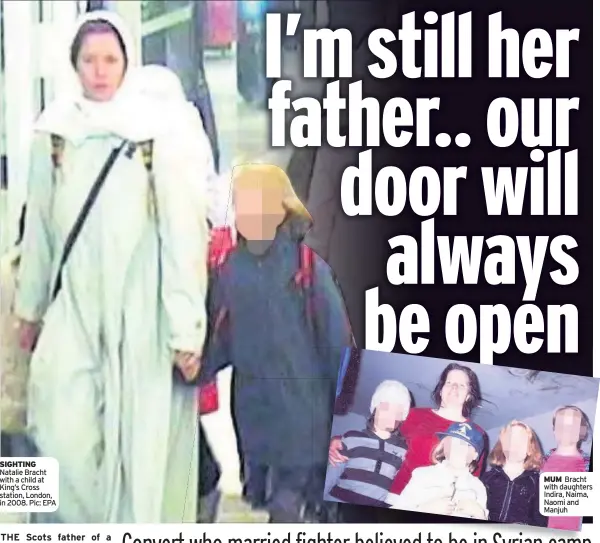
pixel 83 214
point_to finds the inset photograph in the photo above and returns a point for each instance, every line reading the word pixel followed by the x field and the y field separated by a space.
pixel 456 438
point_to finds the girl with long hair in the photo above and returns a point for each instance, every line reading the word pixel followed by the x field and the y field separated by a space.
pixel 514 478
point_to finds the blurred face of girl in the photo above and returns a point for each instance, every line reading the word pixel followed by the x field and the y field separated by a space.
pixel 516 444
pixel 100 65
pixel 388 416
pixel 455 390
pixel 458 453
pixel 258 211
pixel 567 428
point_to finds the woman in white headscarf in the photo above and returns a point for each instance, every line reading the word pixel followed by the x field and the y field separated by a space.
pixel 130 314
pixel 162 85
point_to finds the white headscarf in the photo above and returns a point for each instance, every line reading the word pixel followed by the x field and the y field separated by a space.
pixel 159 82
pixel 126 115
pixel 164 87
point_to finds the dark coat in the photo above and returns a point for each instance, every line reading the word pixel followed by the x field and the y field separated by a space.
pixel 517 501
pixel 285 365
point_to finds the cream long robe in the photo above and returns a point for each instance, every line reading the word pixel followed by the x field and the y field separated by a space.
pixel 101 398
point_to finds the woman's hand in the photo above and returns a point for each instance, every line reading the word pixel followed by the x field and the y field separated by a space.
pixel 188 364
pixel 470 509
pixel 335 456
pixel 29 333
pixel 440 506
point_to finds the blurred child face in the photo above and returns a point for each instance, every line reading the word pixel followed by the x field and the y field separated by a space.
pixel 567 428
pixel 258 211
pixel 455 391
pixel 100 65
pixel 459 454
pixel 516 444
pixel 388 416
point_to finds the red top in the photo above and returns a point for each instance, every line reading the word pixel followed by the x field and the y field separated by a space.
pixel 558 463
pixel 419 429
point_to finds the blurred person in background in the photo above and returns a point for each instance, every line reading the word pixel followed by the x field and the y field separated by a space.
pixel 111 296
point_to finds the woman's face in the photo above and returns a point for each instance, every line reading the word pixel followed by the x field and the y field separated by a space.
pixel 258 212
pixel 458 453
pixel 455 391
pixel 567 428
pixel 100 65
pixel 516 444
pixel 388 416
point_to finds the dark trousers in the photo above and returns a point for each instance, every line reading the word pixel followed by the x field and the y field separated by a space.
pixel 210 471
pixel 290 495
pixel 209 476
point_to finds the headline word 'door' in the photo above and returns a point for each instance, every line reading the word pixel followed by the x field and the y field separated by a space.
pixel 359 179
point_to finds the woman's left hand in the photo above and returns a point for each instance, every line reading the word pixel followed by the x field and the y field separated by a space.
pixel 188 364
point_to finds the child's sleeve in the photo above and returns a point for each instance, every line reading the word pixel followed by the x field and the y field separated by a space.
pixel 217 349
pixel 334 334
pixel 335 472
pixel 535 517
pixel 345 438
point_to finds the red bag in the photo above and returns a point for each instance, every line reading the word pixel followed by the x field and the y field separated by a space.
pixel 219 247
pixel 208 398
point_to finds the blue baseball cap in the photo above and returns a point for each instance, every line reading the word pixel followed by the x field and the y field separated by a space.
pixel 467 432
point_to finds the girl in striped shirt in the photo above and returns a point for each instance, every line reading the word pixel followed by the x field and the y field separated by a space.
pixel 376 452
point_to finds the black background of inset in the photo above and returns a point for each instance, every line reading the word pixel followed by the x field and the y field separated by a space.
pixel 359 256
